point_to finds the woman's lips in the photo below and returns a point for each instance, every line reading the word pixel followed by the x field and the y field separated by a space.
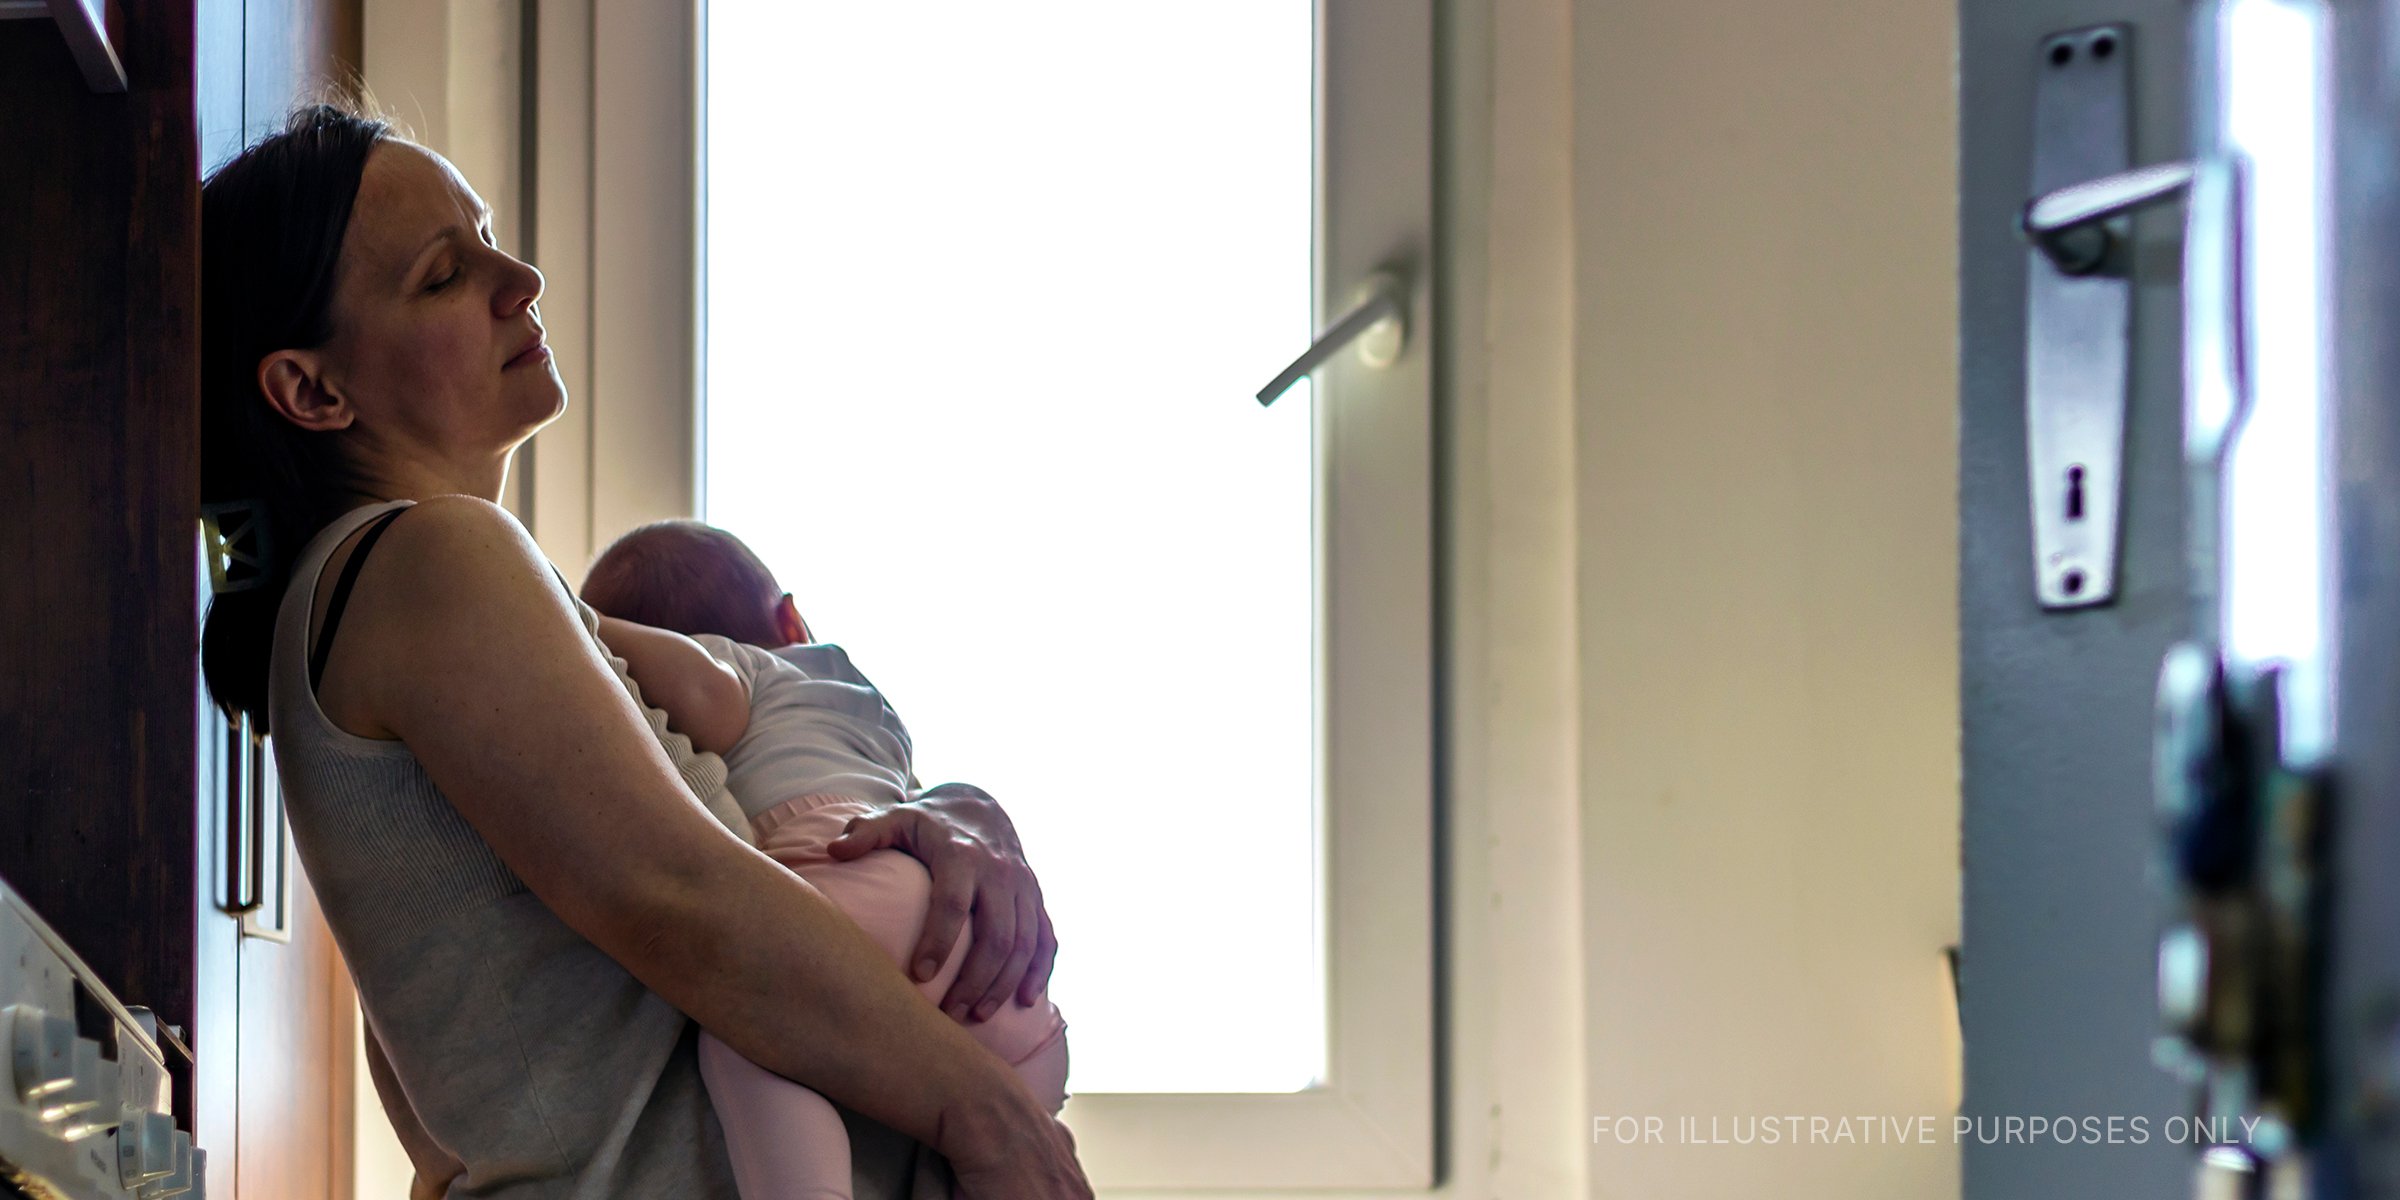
pixel 540 352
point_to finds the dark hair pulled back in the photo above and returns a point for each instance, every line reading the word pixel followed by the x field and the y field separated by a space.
pixel 271 227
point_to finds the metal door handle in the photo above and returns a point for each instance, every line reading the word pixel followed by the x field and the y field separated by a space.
pixel 1377 321
pixel 2069 225
pixel 2078 317
pixel 242 891
pixel 270 910
pixel 257 797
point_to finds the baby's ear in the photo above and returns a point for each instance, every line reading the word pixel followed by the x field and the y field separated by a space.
pixel 788 623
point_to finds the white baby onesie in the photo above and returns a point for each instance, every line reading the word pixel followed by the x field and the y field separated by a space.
pixel 817 727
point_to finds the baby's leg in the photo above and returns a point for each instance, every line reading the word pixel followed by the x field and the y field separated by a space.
pixel 888 892
pixel 786 1141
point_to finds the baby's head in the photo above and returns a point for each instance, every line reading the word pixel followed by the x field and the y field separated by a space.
pixel 693 578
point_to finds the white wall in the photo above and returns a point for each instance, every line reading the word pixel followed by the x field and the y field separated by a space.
pixel 1765 478
pixel 449 72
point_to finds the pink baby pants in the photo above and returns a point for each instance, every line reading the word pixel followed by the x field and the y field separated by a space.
pixel 786 1141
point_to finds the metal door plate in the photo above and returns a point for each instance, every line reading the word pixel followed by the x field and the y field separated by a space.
pixel 2077 327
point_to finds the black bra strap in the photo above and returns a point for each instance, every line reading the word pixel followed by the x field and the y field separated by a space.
pixel 341 596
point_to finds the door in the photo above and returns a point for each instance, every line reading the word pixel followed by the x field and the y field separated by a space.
pixel 274 1032
pixel 294 1103
pixel 2056 1003
pixel 2267 980
pixel 276 1022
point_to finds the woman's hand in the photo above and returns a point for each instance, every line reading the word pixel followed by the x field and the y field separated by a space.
pixel 970 848
pixel 1016 1152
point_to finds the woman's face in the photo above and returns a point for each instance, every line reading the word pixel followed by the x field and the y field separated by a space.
pixel 435 329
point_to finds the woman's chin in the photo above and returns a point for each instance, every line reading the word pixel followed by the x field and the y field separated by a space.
pixel 534 422
pixel 550 404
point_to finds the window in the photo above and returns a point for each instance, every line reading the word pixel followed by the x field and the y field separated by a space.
pixel 1048 522
pixel 979 295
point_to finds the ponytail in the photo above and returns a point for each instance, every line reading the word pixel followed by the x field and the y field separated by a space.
pixel 271 227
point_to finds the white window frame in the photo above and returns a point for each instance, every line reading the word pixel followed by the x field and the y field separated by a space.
pixel 616 107
pixel 614 92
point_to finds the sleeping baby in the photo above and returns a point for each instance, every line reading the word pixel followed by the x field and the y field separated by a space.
pixel 814 746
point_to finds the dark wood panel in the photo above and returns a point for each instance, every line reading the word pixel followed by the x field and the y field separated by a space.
pixel 99 344
pixel 106 824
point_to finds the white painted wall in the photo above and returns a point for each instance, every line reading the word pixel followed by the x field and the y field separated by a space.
pixel 449 72
pixel 1765 480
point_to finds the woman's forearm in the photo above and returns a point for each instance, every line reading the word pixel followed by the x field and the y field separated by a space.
pixel 777 972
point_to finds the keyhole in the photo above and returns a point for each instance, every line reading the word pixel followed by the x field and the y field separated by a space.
pixel 2074 493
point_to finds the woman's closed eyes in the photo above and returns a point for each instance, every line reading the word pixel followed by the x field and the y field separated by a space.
pixel 484 233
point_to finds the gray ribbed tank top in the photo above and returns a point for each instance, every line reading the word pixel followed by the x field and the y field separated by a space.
pixel 525 1051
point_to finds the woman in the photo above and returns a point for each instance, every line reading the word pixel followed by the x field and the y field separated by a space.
pixel 510 848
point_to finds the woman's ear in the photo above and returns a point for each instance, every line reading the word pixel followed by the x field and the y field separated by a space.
pixel 788 623
pixel 293 382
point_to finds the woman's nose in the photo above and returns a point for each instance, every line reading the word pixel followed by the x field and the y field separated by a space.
pixel 522 287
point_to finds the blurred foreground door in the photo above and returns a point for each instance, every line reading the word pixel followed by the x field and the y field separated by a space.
pixel 2059 921
pixel 2192 917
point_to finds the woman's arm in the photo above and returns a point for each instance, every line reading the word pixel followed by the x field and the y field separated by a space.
pixel 964 838
pixel 461 644
pixel 704 699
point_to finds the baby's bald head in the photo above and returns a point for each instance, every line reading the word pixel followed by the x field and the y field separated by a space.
pixel 691 578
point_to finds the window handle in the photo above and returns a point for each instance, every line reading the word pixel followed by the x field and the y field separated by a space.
pixel 2067 224
pixel 1377 321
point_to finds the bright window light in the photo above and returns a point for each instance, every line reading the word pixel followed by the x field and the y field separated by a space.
pixel 989 288
pixel 2274 549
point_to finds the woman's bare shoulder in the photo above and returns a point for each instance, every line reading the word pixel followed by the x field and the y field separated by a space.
pixel 454 580
pixel 446 549
pixel 457 524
